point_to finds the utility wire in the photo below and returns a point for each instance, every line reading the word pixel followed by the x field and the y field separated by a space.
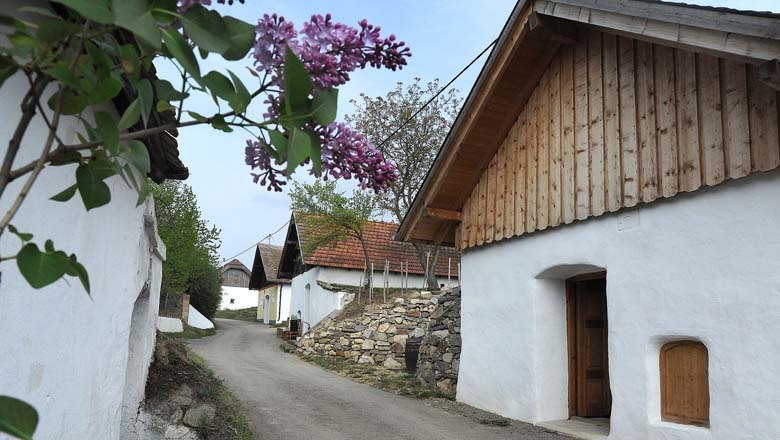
pixel 433 98
pixel 400 127
pixel 267 237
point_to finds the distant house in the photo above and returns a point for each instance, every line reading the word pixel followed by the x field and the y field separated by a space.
pixel 343 264
pixel 613 182
pixel 235 287
pixel 274 293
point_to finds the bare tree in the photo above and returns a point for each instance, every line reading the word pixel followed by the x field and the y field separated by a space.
pixel 411 149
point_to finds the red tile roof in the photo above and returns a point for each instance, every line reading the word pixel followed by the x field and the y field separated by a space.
pixel 348 254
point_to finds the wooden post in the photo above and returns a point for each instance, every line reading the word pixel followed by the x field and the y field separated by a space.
pixel 185 309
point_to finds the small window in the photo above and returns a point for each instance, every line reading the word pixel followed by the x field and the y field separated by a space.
pixel 685 395
pixel 232 301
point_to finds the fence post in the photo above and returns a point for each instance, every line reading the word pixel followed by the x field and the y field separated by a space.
pixel 185 309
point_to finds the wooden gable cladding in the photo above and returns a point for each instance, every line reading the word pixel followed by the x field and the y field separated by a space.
pixel 614 122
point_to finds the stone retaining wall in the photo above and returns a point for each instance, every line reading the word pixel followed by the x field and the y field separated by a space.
pixel 378 336
pixel 437 366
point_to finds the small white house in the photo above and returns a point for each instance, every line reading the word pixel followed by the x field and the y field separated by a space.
pixel 236 293
pixel 343 264
pixel 273 293
pixel 81 360
pixel 612 181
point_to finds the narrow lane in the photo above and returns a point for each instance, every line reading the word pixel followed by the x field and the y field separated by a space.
pixel 287 398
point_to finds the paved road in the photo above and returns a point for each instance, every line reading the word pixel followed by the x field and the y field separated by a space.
pixel 287 398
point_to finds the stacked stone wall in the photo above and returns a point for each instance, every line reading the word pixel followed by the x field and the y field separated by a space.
pixel 439 360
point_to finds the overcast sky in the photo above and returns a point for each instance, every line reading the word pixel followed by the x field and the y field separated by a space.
pixel 444 35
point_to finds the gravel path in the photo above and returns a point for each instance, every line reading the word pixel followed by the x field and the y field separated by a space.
pixel 287 398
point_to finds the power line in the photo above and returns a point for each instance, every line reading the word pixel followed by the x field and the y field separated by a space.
pixel 267 237
pixel 433 98
pixel 400 127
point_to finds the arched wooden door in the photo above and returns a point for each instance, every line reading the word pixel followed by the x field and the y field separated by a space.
pixel 266 309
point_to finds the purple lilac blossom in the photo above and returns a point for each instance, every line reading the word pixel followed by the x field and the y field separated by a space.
pixel 330 52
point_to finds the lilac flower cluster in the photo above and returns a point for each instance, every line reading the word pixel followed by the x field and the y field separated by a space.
pixel 330 52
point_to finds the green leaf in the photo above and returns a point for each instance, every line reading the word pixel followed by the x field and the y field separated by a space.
pixel 41 268
pixel 129 57
pixel 139 156
pixel 315 153
pixel 197 116
pixel 164 106
pixel 62 73
pixel 52 30
pixel 181 51
pixel 95 10
pixel 17 418
pixel 76 269
pixel 219 85
pixel 72 104
pixel 143 191
pixel 206 29
pixel 279 141
pixel 145 99
pixel 23 45
pixel 218 122
pixel 325 106
pixel 39 11
pixel 131 115
pixel 242 94
pixel 94 192
pixel 65 195
pixel 299 149
pixel 65 157
pixel 297 84
pixel 166 91
pixel 242 37
pixel 7 68
pixel 104 90
pixel 136 16
pixel 24 236
pixel 108 131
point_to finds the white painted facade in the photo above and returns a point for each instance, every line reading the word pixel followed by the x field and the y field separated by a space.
pixel 81 361
pixel 315 302
pixel 234 298
pixel 169 325
pixel 197 320
pixel 702 266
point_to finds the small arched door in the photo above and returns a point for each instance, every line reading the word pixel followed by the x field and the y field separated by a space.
pixel 266 309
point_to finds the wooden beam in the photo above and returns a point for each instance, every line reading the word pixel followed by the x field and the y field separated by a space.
pixel 444 214
pixel 560 30
pixel 444 233
pixel 769 74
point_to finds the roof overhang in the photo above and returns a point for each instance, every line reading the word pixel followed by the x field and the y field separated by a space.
pixel 529 40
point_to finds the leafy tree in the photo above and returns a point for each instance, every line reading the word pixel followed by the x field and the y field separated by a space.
pixel 330 216
pixel 411 149
pixel 89 52
pixel 192 263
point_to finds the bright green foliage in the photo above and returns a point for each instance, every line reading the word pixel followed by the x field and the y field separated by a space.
pixel 17 418
pixel 191 264
pixel 330 216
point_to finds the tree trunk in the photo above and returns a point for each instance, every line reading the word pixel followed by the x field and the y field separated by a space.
pixel 422 255
pixel 367 260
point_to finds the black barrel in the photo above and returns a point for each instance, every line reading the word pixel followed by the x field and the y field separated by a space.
pixel 412 352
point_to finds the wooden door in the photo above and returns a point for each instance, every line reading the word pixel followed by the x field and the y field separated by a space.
pixel 589 366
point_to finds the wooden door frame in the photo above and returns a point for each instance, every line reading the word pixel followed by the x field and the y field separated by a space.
pixel 571 333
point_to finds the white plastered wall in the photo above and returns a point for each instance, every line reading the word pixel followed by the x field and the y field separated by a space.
pixel 66 353
pixel 241 297
pixel 702 266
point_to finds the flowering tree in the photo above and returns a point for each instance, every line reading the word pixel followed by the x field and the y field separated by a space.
pixel 87 54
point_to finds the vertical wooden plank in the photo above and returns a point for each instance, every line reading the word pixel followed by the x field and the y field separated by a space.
pixel 465 226
pixel 542 152
pixel 687 121
pixel 482 209
pixel 596 124
pixel 555 142
pixel 490 199
pixel 710 119
pixel 614 182
pixel 763 123
pixel 511 175
pixel 474 215
pixel 647 130
pixel 629 154
pixel 522 166
pixel 582 165
pixel 500 190
pixel 736 126
pixel 567 141
pixel 666 120
pixel 530 194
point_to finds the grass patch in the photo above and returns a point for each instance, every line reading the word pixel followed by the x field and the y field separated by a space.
pixel 249 314
pixel 394 381
pixel 194 333
pixel 174 366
